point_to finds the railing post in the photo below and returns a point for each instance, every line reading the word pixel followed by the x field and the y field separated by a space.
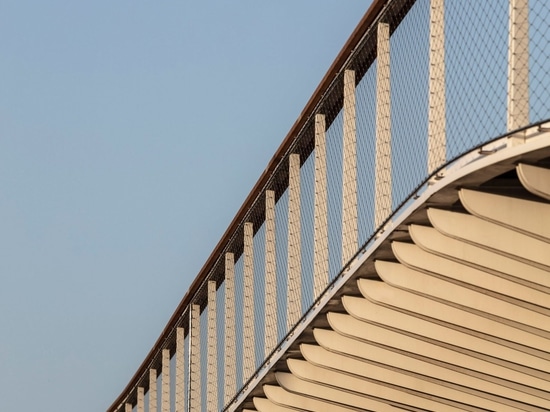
pixel 180 370
pixel 437 145
pixel 518 67
pixel 212 382
pixel 349 173
pixel 140 407
pixel 270 275
pixel 383 189
pixel 320 243
pixel 165 399
pixel 230 365
pixel 195 355
pixel 127 407
pixel 249 358
pixel 294 285
pixel 152 390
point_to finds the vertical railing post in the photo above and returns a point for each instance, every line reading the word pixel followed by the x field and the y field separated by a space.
pixel 140 407
pixel 320 242
pixel 230 364
pixel 383 184
pixel 195 355
pixel 349 173
pixel 294 285
pixel 249 358
pixel 270 275
pixel 152 390
pixel 212 382
pixel 180 370
pixel 165 397
pixel 127 407
pixel 518 67
pixel 437 145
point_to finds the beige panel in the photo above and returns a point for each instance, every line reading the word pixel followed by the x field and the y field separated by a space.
pixel 490 235
pixel 195 391
pixel 180 370
pixel 294 274
pixel 127 407
pixel 296 401
pixel 377 344
pixel 270 321
pixel 535 179
pixel 349 173
pixel 524 215
pixel 152 390
pixel 265 405
pixel 320 244
pixel 411 302
pixel 140 407
pixel 249 357
pixel 165 398
pixel 230 352
pixel 439 333
pixel 518 65
pixel 417 382
pixel 433 241
pixel 437 104
pixel 357 384
pixel 383 195
pixel 212 366
pixel 293 384
pixel 414 257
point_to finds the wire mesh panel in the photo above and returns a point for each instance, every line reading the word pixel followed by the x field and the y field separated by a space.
pixel 539 61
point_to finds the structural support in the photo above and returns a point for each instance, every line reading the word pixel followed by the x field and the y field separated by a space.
pixel 294 285
pixel 212 382
pixel 195 355
pixel 383 189
pixel 518 66
pixel 270 275
pixel 140 407
pixel 249 358
pixel 165 399
pixel 180 370
pixel 152 390
pixel 127 407
pixel 349 173
pixel 437 145
pixel 320 243
pixel 230 365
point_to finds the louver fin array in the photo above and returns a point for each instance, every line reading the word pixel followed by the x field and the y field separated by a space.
pixel 459 320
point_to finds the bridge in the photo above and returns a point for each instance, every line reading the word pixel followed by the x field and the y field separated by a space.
pixel 394 255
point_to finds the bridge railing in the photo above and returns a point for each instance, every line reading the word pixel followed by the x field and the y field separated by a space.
pixel 418 84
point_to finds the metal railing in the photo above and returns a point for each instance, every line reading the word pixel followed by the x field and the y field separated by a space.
pixel 418 84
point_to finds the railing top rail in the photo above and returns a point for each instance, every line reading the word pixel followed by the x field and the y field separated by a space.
pixel 337 66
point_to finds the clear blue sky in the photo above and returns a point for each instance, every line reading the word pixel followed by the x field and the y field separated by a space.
pixel 131 132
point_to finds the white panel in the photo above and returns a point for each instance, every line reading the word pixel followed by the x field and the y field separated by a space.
pixel 349 173
pixel 152 390
pixel 320 244
pixel 180 370
pixel 230 365
pixel 249 357
pixel 195 355
pixel 165 398
pixel 294 274
pixel 270 320
pixel 437 104
pixel 383 195
pixel 212 382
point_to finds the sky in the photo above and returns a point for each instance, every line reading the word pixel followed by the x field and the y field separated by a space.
pixel 130 134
